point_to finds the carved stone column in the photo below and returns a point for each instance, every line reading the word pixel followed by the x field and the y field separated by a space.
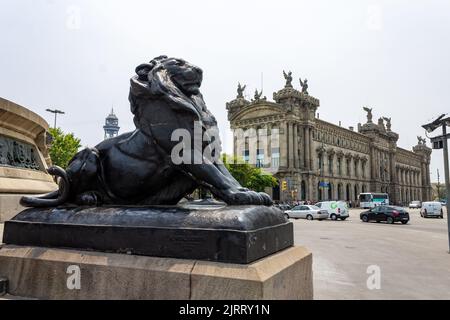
pixel 296 156
pixel 310 148
pixel 307 148
pixel 373 165
pixel 291 145
pixel 283 145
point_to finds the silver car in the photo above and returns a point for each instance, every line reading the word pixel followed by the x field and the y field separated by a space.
pixel 307 212
pixel 415 205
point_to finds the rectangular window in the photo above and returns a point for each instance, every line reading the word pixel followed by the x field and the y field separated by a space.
pixel 275 157
pixel 246 156
pixel 260 158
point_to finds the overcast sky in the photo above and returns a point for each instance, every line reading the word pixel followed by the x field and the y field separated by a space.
pixel 79 55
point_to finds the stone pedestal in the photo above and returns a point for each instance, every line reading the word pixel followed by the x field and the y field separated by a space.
pixel 9 206
pixel 24 157
pixel 45 273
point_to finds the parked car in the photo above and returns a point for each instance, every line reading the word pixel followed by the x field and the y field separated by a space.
pixel 390 214
pixel 336 209
pixel 415 205
pixel 432 209
pixel 307 212
pixel 283 207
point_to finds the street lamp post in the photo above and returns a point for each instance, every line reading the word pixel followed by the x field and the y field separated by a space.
pixel 441 143
pixel 447 177
pixel 55 112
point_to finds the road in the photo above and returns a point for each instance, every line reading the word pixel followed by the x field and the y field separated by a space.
pixel 413 259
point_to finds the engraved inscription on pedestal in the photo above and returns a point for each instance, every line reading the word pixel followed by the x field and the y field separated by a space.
pixel 15 153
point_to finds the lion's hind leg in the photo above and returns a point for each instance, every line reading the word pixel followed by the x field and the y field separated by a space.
pixel 90 198
pixel 175 189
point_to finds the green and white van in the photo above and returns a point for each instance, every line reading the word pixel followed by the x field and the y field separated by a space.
pixel 336 209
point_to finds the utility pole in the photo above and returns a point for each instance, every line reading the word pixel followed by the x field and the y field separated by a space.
pixel 447 175
pixel 438 187
pixel 55 112
pixel 442 143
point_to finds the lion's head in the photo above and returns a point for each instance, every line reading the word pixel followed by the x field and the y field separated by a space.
pixel 172 79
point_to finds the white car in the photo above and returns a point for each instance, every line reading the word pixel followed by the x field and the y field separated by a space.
pixel 335 209
pixel 415 205
pixel 432 209
pixel 306 212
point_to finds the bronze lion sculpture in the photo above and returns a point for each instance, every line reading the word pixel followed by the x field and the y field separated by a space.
pixel 136 168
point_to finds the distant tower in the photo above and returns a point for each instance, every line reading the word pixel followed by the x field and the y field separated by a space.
pixel 111 126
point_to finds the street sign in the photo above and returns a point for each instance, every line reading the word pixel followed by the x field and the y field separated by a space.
pixel 323 184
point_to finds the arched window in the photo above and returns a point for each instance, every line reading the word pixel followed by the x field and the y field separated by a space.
pixel 276 192
pixel 320 161
pixel 347 193
pixel 303 190
pixel 330 164
pixel 319 192
pixel 330 191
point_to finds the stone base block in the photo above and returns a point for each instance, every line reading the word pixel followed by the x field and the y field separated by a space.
pixel 9 206
pixel 46 273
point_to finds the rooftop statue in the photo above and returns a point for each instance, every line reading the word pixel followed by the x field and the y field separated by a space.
pixel 388 123
pixel 240 91
pixel 258 95
pixel 304 85
pixel 421 141
pixel 288 77
pixel 137 168
pixel 369 114
pixel 381 123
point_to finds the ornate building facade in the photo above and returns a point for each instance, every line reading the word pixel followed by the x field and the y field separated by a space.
pixel 317 160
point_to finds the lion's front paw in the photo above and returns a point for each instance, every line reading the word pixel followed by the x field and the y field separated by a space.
pixel 238 197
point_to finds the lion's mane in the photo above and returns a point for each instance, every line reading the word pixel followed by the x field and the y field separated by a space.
pixel 153 81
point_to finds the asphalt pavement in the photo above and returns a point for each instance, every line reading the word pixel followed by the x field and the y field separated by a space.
pixel 357 260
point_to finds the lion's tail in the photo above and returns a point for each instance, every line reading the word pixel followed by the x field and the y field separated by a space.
pixel 54 198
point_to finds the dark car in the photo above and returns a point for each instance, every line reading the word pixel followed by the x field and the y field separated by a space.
pixel 390 214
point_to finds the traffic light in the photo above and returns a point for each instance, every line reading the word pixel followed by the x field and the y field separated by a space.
pixel 284 185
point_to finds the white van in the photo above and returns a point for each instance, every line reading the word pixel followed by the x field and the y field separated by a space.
pixel 336 209
pixel 432 209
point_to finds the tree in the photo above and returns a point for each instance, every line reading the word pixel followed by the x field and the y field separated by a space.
pixel 248 176
pixel 63 148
